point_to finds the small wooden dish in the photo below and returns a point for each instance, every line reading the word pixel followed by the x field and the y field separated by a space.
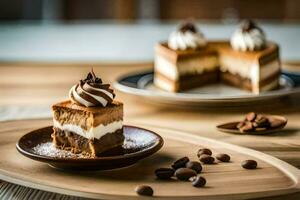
pixel 139 143
pixel 231 127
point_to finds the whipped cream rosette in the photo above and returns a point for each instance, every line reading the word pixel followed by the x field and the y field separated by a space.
pixel 91 92
pixel 248 37
pixel 186 37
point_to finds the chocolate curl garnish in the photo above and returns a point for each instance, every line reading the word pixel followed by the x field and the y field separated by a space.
pixel 188 26
pixel 92 78
pixel 249 25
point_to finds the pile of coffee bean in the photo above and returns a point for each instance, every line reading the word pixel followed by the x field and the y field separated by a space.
pixel 257 122
pixel 185 170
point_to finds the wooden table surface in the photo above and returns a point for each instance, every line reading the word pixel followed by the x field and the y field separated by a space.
pixel 39 84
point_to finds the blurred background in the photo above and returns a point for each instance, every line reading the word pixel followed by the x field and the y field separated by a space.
pixel 126 30
pixel 158 10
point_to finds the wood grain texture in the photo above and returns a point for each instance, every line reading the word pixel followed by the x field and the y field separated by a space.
pixel 10 191
pixel 224 180
pixel 40 84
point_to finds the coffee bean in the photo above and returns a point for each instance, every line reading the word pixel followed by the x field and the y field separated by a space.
pixel 198 181
pixel 164 173
pixel 207 159
pixel 184 173
pixel 247 127
pixel 251 116
pixel 274 123
pixel 223 157
pixel 144 190
pixel 263 122
pixel 249 164
pixel 180 163
pixel 194 165
pixel 204 151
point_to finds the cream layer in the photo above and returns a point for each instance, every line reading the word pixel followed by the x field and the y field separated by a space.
pixel 250 70
pixel 94 132
pixel 269 86
pixel 188 66
pixel 165 85
pixel 269 69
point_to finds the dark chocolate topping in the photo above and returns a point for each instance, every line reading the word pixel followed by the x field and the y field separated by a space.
pixel 248 25
pixel 92 78
pixel 188 26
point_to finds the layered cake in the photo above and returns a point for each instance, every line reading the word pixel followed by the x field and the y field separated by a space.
pixel 188 60
pixel 91 121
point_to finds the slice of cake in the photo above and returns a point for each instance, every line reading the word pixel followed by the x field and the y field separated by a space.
pixel 91 122
pixel 250 62
pixel 186 61
pixel 255 71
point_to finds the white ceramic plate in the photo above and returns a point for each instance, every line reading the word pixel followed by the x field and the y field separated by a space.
pixel 141 84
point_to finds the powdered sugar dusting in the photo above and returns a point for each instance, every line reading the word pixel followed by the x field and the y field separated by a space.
pixel 48 149
pixel 133 142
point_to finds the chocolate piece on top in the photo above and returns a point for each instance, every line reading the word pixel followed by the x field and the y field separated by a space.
pixel 92 78
pixel 249 25
pixel 92 92
pixel 188 26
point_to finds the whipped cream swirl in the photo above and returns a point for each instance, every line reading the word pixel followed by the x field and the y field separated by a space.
pixel 186 37
pixel 91 92
pixel 249 37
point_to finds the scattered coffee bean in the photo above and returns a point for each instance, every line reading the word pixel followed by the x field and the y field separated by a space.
pixel 249 164
pixel 164 173
pixel 207 159
pixel 194 165
pixel 184 174
pixel 198 181
pixel 180 163
pixel 204 151
pixel 223 157
pixel 144 190
pixel 251 116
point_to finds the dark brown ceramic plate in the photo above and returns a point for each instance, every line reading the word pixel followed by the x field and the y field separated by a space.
pixel 139 143
pixel 230 127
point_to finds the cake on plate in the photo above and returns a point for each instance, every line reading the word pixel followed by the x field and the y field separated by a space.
pixel 248 61
pixel 91 121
